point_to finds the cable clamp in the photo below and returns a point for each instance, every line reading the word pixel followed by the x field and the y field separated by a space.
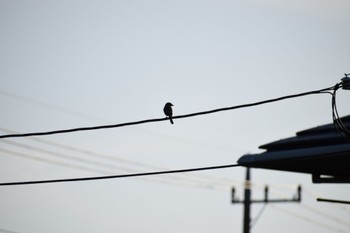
pixel 346 82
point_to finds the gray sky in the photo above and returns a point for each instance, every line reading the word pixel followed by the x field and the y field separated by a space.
pixel 66 64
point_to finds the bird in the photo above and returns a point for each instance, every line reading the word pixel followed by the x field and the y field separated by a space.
pixel 168 111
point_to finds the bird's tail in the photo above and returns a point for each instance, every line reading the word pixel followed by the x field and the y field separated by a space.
pixel 171 120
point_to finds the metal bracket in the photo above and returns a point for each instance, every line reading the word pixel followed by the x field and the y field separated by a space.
pixel 319 179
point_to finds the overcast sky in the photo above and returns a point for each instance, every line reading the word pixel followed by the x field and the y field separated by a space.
pixel 67 64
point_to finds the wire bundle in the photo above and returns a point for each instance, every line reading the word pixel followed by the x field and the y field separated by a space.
pixel 338 124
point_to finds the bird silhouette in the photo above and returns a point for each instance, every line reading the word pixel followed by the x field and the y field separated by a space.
pixel 168 111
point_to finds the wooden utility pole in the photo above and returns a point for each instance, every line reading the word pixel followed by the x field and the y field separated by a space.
pixel 248 201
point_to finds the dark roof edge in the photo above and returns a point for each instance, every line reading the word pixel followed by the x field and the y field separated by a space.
pixel 280 156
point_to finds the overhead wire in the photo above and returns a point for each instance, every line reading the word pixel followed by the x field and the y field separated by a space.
pixel 338 123
pixel 262 185
pixel 316 195
pixel 195 179
pixel 172 180
pixel 59 163
pixel 69 157
pixel 86 151
pixel 326 215
pixel 255 220
pixel 307 219
pixel 119 176
pixel 99 119
pixel 156 179
pixel 181 182
pixel 321 91
pixel 329 217
pixel 317 211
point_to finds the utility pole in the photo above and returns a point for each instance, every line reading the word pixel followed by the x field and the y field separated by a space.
pixel 248 201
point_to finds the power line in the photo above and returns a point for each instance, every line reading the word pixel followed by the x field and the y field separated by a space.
pixel 333 201
pixel 59 163
pixel 338 124
pixel 255 220
pixel 321 91
pixel 308 219
pixel 119 176
pixel 69 157
pixel 317 211
pixel 101 120
pixel 169 180
pixel 129 167
pixel 326 215
pixel 85 151
pixel 193 181
pixel 316 195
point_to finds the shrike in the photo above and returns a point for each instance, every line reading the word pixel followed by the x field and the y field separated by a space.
pixel 168 111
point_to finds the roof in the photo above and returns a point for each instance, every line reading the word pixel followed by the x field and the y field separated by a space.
pixel 318 151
